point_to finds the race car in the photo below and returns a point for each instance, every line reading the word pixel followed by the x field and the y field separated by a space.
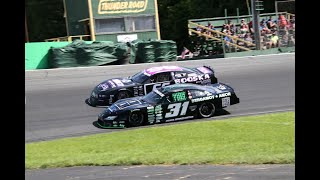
pixel 140 84
pixel 170 103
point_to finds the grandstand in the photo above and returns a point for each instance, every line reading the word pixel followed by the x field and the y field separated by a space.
pixel 214 36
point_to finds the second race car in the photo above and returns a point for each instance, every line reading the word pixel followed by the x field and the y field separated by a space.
pixel 145 81
pixel 170 103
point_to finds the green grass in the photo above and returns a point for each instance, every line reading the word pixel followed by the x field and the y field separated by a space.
pixel 250 140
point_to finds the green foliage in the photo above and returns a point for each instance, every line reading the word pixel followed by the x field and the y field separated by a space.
pixel 45 19
pixel 244 140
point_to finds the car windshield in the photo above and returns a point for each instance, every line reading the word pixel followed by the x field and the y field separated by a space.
pixel 153 97
pixel 140 77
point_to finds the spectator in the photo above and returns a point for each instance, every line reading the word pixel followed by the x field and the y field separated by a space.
pixel 274 40
pixel 199 29
pixel 271 24
pixel 224 28
pixel 210 26
pixel 227 40
pixel 185 52
pixel 251 27
pixel 248 38
pixel 233 29
pixel 292 23
pixel 282 21
pixel 243 23
pixel 271 42
pixel 263 28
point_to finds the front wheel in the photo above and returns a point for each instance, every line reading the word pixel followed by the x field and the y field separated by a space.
pixel 135 119
pixel 123 95
pixel 206 109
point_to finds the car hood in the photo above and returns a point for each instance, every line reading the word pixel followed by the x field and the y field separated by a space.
pixel 114 83
pixel 128 104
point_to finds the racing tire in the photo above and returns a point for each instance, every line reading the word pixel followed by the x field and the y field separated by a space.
pixel 122 95
pixel 206 109
pixel 135 119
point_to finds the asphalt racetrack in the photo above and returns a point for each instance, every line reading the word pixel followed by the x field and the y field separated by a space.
pixel 55 106
pixel 193 172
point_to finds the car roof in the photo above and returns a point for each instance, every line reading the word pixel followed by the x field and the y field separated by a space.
pixel 160 69
pixel 180 87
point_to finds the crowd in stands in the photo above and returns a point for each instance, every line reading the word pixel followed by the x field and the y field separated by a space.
pixel 274 33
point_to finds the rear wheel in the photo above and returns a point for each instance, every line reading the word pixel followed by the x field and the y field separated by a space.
pixel 123 95
pixel 206 109
pixel 135 119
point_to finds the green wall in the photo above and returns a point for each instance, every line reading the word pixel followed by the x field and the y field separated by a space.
pixel 36 54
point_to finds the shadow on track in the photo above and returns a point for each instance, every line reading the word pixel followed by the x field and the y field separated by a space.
pixel 219 112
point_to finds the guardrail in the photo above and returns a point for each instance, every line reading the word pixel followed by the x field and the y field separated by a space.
pixel 68 38
pixel 220 34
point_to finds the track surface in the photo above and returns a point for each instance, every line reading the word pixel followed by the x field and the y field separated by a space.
pixel 195 172
pixel 55 105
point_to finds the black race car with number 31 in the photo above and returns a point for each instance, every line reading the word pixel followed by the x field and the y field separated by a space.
pixel 170 103
pixel 145 81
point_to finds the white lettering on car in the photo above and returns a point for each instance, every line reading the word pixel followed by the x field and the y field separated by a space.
pixel 118 82
pixel 224 94
pixel 192 78
pixel 202 99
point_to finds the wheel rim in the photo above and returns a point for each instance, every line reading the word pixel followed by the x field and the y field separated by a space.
pixel 135 119
pixel 123 95
pixel 207 110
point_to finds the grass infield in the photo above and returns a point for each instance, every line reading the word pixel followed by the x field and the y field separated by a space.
pixel 261 139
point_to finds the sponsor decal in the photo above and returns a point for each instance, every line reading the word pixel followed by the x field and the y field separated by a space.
pixel 121 6
pixel 193 78
pixel 103 86
pixel 154 114
pixel 225 101
pixel 224 94
pixel 152 86
pixel 112 84
pixel 118 82
pixel 138 91
pixel 179 96
pixel 158 92
pixel 202 99
pixel 178 119
pixel 222 87
pixel 179 75
pixel 206 81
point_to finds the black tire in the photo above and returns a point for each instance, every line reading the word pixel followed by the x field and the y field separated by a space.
pixel 135 119
pixel 206 109
pixel 123 95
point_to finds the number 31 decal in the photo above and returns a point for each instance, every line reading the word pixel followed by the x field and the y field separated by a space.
pixel 175 109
